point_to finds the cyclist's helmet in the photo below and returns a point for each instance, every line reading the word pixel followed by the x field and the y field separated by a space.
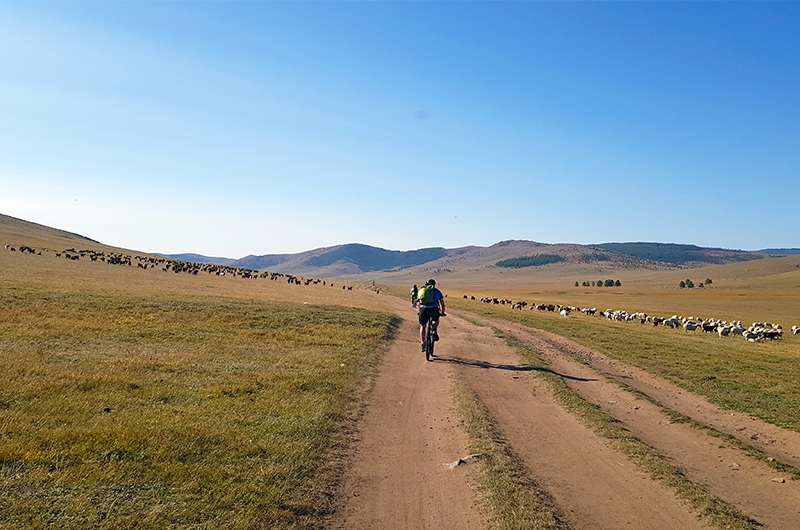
pixel 431 282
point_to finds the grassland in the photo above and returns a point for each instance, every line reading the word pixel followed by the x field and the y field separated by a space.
pixel 139 398
pixel 163 411
pixel 134 398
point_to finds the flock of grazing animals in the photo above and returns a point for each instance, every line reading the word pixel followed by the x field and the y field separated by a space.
pixel 174 266
pixel 757 332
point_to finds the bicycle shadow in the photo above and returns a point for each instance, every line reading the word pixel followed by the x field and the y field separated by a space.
pixel 509 367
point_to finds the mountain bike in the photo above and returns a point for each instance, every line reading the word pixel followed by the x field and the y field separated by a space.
pixel 429 338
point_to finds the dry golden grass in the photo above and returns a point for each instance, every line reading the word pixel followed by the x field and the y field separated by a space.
pixel 164 411
pixel 134 398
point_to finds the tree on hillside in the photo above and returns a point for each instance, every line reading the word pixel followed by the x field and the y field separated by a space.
pixel 530 261
pixel 708 281
pixel 617 283
pixel 682 285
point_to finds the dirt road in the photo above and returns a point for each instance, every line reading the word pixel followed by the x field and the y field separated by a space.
pixel 398 477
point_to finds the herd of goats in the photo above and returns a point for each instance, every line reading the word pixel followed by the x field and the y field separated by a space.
pixel 173 265
pixel 757 332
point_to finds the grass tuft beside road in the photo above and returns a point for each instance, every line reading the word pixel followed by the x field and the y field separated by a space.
pixel 183 412
pixel 513 500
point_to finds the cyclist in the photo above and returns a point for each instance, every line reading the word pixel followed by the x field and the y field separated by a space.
pixel 431 300
pixel 413 293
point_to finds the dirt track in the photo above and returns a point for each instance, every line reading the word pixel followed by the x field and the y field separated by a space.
pixel 398 476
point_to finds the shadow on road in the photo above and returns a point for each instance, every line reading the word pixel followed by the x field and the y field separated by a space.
pixel 509 367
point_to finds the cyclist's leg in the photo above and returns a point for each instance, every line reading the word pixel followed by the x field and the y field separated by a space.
pixel 435 323
pixel 422 326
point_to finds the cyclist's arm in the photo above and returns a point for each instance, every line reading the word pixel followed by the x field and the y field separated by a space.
pixel 441 303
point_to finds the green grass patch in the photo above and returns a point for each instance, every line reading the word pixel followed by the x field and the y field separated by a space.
pixel 512 499
pixel 120 411
pixel 714 510
pixel 756 379
pixel 471 321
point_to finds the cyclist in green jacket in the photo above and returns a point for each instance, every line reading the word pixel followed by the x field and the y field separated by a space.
pixel 431 300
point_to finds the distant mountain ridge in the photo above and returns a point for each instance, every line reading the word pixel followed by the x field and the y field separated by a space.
pixel 679 254
pixel 781 251
pixel 353 259
pixel 371 259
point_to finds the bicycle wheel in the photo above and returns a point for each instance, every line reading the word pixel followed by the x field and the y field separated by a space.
pixel 428 341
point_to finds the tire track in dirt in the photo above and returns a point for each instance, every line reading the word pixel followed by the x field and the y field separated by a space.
pixel 397 477
pixel 727 472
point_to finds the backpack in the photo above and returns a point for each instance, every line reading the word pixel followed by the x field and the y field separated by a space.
pixel 426 294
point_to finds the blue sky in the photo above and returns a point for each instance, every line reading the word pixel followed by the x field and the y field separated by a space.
pixel 229 128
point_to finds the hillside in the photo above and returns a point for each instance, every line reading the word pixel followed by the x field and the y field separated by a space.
pixel 19 232
pixel 681 254
pixel 352 258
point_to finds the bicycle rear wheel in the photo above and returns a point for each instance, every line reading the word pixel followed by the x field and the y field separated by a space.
pixel 428 341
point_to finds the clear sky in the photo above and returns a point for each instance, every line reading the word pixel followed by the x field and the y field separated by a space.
pixel 228 128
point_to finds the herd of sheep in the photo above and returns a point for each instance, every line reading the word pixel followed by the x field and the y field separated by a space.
pixel 757 332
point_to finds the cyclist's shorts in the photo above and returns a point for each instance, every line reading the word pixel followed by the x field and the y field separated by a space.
pixel 426 313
